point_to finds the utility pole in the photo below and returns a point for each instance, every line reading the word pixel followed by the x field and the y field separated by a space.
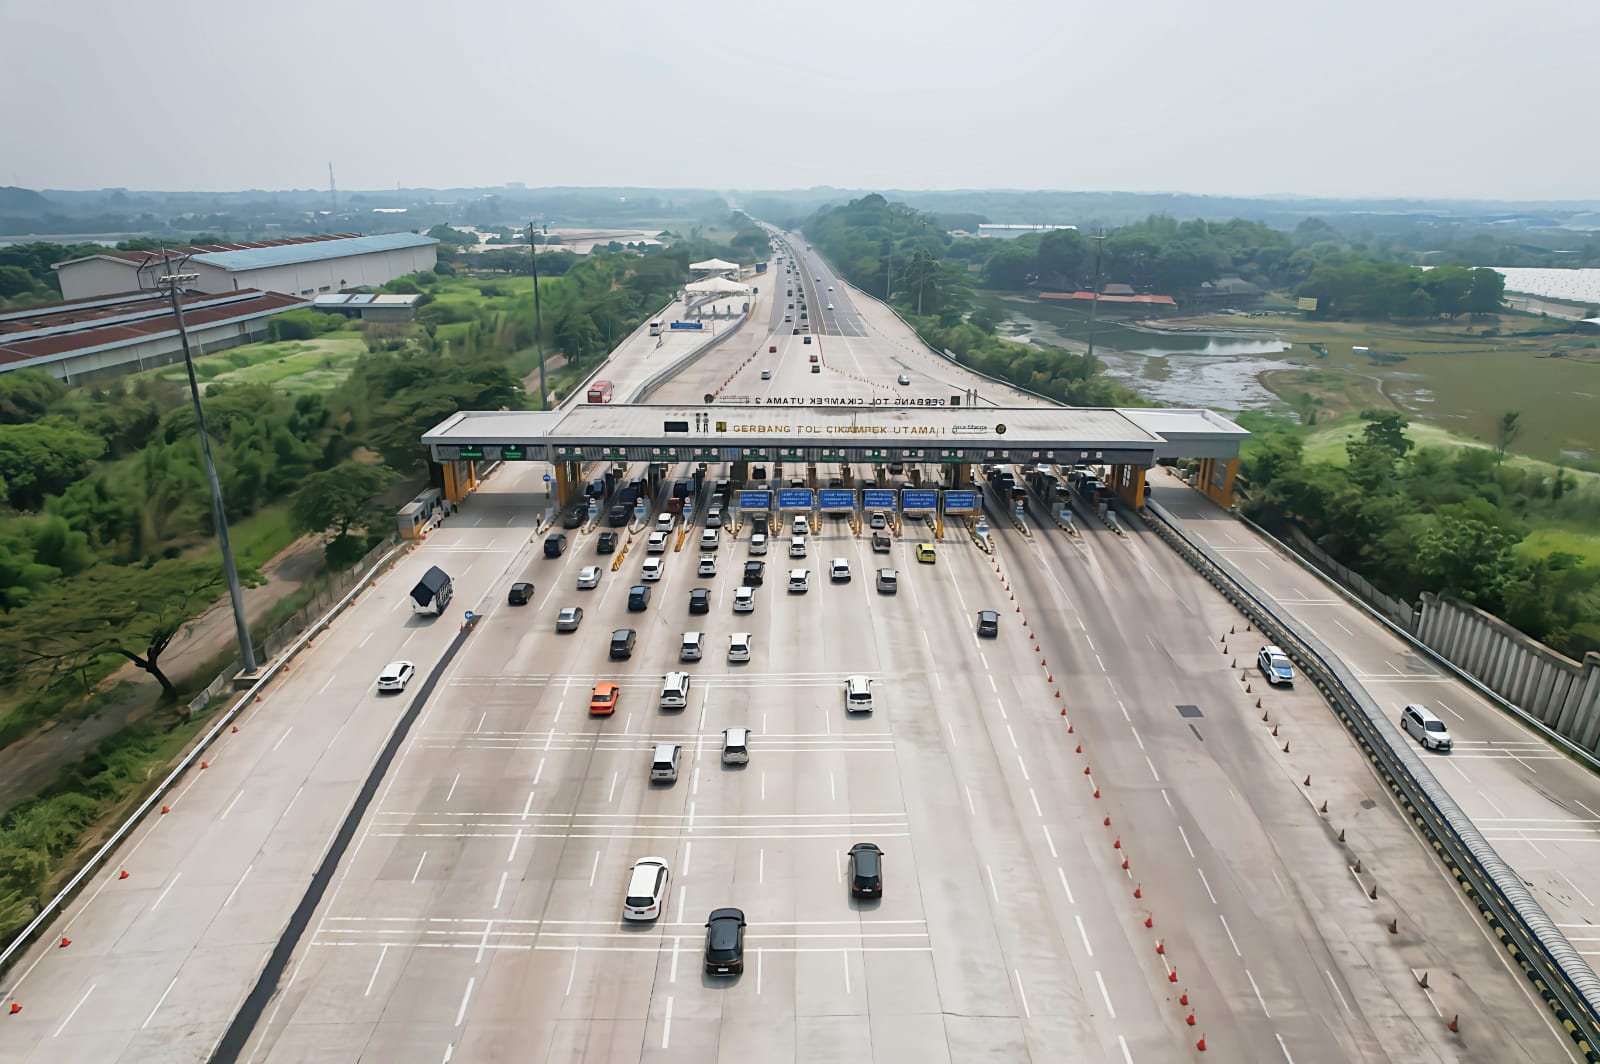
pixel 1094 305
pixel 888 260
pixel 172 282
pixel 538 321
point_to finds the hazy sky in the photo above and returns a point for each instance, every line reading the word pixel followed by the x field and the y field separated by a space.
pixel 1354 98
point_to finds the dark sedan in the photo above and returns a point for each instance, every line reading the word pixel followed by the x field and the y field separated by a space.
pixel 866 870
pixel 725 942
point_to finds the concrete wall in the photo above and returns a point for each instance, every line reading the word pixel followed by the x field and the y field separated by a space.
pixel 1559 692
pixel 97 277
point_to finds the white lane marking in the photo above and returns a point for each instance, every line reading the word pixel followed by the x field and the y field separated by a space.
pixel 985 663
pixel 418 872
pixel 676 941
pixel 1342 628
pixel 1124 712
pixel 1048 841
pixel 763 786
pixel 1207 884
pixel 573 973
pixel 1262 1001
pixel 681 892
pixel 844 955
pixel 595 868
pixel 75 1009
pixel 1153 772
pixel 483 943
pixel 1450 711
pixel 1337 991
pixel 1110 1008
pixel 1185 836
pixel 1284 1047
pixel 993 891
pixel 1100 663
pixel 611 795
pixel 1023 765
pixel 1166 798
pixel 461 1013
pixel 282 737
pixel 381 954
pixel 371 634
pixel 231 804
pixel 1088 639
pixel 688 851
pixel 481 719
pixel 1023 994
pixel 163 998
pixel 1036 810
pixel 1136 736
pixel 970 807
pixel 951 728
pixel 1126 1056
pixel 1065 886
pixel 761 866
pixel 527 806
pixel 1229 930
pixel 1083 933
pixel 501 889
pixel 833 794
pixel 1574 886
pixel 516 840
pixel 759 954
pixel 1012 735
pixel 453 783
pixel 239 884
pixel 175 877
pixel 937 683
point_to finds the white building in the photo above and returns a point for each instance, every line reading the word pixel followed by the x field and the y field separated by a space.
pixel 303 266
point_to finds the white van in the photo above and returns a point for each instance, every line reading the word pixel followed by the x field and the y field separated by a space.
pixel 799 580
pixel 887 579
pixel 858 695
pixel 675 690
pixel 690 650
pixel 664 763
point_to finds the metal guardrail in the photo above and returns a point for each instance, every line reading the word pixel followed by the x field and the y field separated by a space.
pixel 651 384
pixel 1560 974
pixel 25 936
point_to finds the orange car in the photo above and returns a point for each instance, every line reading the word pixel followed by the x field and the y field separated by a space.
pixel 604 700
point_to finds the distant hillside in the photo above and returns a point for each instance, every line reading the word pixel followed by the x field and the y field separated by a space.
pixel 22 201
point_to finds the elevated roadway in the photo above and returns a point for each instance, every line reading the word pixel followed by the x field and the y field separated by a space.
pixel 476 913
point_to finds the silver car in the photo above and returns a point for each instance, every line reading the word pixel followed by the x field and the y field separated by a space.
pixel 569 618
pixel 588 577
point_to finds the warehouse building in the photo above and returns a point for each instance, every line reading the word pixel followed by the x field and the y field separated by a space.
pixel 302 266
pixel 109 336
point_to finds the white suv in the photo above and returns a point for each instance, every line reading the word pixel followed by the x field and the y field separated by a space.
pixel 657 543
pixel 647 887
pixel 1427 729
pixel 744 600
pixel 858 695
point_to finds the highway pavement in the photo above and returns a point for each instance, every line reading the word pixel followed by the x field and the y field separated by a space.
pixel 1059 885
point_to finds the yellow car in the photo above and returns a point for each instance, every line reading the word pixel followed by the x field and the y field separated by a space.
pixel 925 553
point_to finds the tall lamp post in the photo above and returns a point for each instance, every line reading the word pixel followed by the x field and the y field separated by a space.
pixel 538 321
pixel 172 282
pixel 1094 305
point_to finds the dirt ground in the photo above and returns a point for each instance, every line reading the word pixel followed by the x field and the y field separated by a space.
pixel 32 762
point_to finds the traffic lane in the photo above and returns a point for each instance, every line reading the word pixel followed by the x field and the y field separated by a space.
pixel 1290 837
pixel 1537 807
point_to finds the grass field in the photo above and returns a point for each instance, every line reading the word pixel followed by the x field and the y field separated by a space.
pixel 1543 541
pixel 293 367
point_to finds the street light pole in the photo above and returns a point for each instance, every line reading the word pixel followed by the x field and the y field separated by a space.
pixel 888 262
pixel 172 282
pixel 1094 305
pixel 538 321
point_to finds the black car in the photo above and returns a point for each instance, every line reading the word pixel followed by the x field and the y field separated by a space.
pixel 521 592
pixel 754 573
pixel 618 515
pixel 638 598
pixel 866 870
pixel 725 941
pixel 574 517
pixel 700 600
pixel 606 544
pixel 555 544
pixel 988 623
pixel 622 642
pixel 758 523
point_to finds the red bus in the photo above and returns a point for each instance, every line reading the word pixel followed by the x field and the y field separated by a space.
pixel 600 392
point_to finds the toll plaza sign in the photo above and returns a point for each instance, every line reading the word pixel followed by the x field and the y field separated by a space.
pixel 796 499
pixel 878 499
pixel 837 499
pixel 960 502
pixel 755 500
pixel 844 400
pixel 915 501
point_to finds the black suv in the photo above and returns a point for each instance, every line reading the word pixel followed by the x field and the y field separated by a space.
pixel 575 516
pixel 755 574
pixel 521 592
pixel 725 942
pixel 622 641
pixel 700 600
pixel 606 544
pixel 638 598
pixel 555 544
pixel 866 870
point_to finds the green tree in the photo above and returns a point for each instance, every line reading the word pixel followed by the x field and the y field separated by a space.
pixel 27 395
pixel 41 459
pixel 1506 433
pixel 1009 267
pixel 341 500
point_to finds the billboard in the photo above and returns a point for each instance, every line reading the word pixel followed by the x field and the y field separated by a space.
pixel 795 499
pixel 918 500
pixel 837 499
pixel 960 502
pixel 878 498
pixel 1306 303
pixel 755 500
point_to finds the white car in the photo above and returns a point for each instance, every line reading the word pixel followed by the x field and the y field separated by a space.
pixel 396 675
pixel 858 694
pixel 903 379
pixel 739 646
pixel 709 539
pixel 878 521
pixel 588 577
pixel 744 600
pixel 839 571
pixel 652 570
pixel 758 543
pixel 647 889
pixel 708 565
pixel 657 543
pixel 830 288
pixel 1420 723
pixel 665 522
pixel 797 547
